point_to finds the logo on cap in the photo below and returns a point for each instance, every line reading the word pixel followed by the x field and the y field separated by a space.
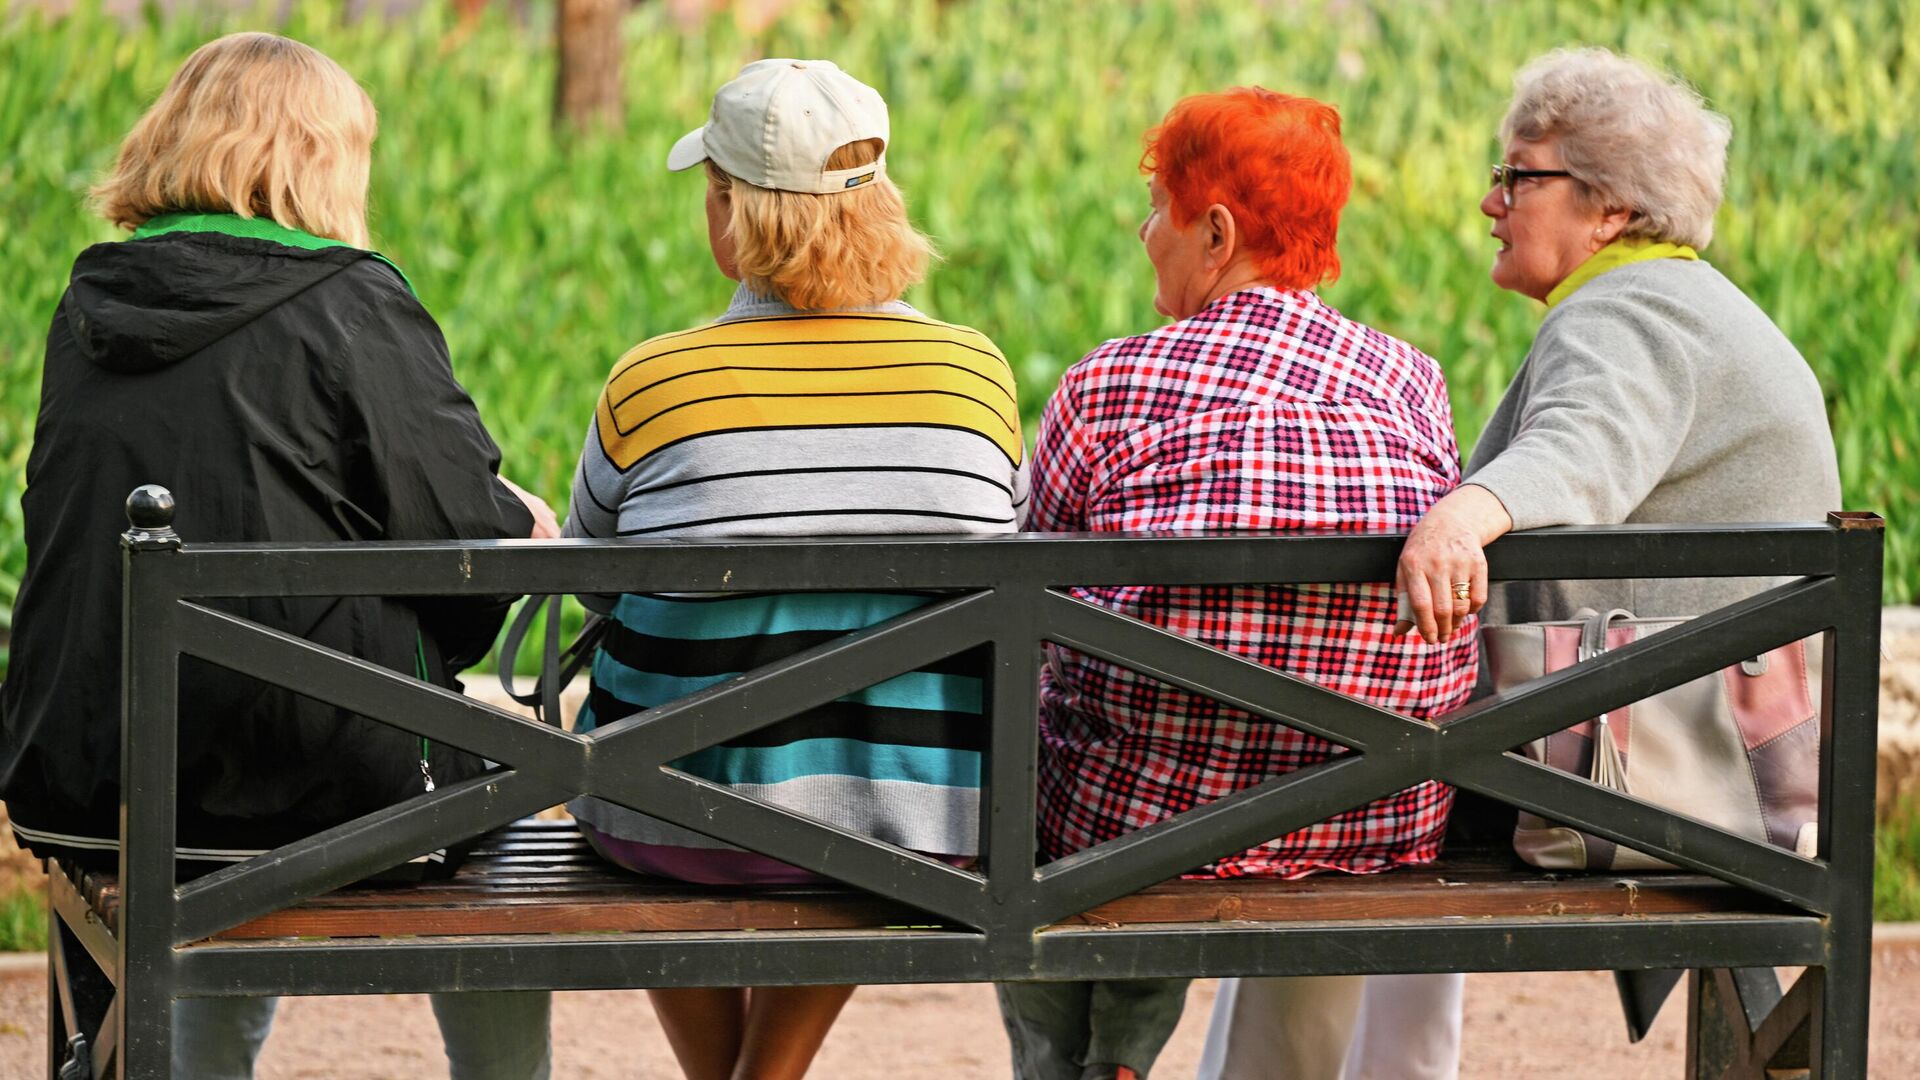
pixel 858 180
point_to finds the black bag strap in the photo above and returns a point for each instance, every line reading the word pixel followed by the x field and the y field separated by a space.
pixel 557 666
pixel 509 655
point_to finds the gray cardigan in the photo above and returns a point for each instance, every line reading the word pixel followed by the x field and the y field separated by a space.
pixel 1655 393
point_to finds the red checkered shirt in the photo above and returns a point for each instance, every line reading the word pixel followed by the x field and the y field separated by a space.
pixel 1267 410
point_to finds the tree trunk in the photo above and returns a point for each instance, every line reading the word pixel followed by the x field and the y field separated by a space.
pixel 588 90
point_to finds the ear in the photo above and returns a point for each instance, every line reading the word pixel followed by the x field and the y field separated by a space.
pixel 1222 235
pixel 1610 226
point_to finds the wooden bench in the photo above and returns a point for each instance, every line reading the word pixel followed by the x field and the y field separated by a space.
pixel 533 909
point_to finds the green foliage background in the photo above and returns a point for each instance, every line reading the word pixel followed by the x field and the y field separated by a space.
pixel 1016 136
pixel 23 921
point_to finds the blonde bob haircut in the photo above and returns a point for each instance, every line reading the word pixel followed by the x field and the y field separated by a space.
pixel 256 125
pixel 819 252
pixel 1638 139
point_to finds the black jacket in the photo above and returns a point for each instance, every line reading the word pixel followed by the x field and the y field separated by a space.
pixel 282 394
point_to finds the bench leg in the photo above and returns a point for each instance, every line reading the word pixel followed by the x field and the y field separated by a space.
pixel 1741 1027
pixel 79 1005
pixel 146 1023
pixel 56 1016
pixel 1713 1035
pixel 1838 1030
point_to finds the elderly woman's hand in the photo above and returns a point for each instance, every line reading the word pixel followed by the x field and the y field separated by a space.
pixel 545 525
pixel 1443 553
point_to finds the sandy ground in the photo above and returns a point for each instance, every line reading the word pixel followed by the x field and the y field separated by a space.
pixel 1563 1024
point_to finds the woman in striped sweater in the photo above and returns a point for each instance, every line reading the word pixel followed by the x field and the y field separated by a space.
pixel 819 403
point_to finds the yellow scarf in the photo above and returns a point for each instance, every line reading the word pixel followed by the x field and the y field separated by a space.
pixel 1614 256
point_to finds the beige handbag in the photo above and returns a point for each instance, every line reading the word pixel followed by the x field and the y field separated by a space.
pixel 1739 749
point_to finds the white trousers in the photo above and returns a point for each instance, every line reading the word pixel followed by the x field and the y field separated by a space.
pixel 1336 1027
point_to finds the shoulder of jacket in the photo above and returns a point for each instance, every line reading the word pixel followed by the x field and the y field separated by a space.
pixel 1628 298
pixel 669 343
pixel 965 336
pixel 363 292
pixel 372 280
pixel 961 331
pixel 1617 330
pixel 1151 346
pixel 967 340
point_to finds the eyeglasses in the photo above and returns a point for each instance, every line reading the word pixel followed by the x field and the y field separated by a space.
pixel 1505 176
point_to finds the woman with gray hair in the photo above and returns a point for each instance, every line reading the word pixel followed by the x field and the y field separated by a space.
pixel 1655 391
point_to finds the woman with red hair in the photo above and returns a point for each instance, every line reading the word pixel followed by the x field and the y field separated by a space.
pixel 1258 407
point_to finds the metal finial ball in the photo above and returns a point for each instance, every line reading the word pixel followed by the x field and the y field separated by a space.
pixel 150 508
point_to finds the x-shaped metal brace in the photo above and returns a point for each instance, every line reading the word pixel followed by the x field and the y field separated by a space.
pixel 628 761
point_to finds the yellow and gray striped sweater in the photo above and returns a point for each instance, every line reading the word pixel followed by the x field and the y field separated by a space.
pixel 804 424
pixel 774 422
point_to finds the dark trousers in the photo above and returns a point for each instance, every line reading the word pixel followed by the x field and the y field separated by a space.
pixel 1086 1030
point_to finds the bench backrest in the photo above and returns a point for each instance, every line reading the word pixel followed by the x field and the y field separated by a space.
pixel 1006 593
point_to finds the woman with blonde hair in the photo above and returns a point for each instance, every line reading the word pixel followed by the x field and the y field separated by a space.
pixel 818 403
pixel 245 350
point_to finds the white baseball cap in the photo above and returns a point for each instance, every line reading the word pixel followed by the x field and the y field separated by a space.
pixel 777 122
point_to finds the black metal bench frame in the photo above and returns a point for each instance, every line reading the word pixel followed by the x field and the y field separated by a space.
pixel 1007 594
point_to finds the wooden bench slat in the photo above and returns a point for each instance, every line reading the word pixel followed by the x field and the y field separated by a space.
pixel 599 914
pixel 1414 894
pixel 541 877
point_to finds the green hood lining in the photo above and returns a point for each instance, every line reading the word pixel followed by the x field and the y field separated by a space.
pixel 253 228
